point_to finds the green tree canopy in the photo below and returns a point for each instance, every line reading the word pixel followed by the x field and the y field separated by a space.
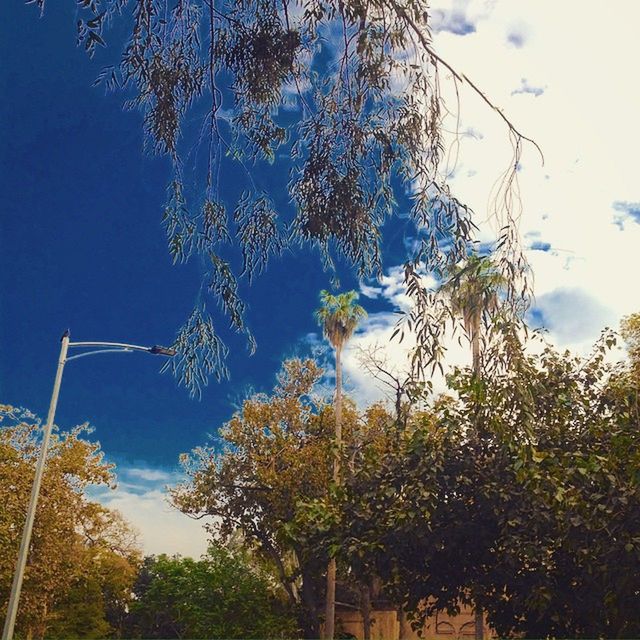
pixel 222 595
pixel 273 454
pixel 538 522
pixel 339 316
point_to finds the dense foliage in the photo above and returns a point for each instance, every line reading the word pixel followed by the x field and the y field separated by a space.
pixel 222 595
pixel 535 517
pixel 83 557
pixel 275 452
pixel 517 492
pixel 85 576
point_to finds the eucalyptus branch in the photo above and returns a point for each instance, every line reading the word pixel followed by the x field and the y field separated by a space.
pixel 461 77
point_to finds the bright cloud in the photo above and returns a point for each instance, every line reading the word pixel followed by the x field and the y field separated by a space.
pixel 148 474
pixel 375 333
pixel 525 87
pixel 142 499
pixel 626 211
pixel 580 209
pixel 459 17
pixel 572 315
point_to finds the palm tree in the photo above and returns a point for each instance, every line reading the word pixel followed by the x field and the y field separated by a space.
pixel 473 290
pixel 338 316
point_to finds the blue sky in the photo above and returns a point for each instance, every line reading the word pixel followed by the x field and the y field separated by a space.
pixel 83 247
pixel 81 244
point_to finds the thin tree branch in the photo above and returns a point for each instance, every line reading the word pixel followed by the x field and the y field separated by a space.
pixel 461 77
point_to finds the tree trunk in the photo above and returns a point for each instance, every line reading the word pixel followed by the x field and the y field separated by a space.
pixel 400 422
pixel 365 609
pixel 475 347
pixel 338 416
pixel 479 622
pixel 475 350
pixel 330 609
pixel 309 618
pixel 403 631
pixel 330 613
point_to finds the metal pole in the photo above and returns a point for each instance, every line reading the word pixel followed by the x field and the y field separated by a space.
pixel 16 587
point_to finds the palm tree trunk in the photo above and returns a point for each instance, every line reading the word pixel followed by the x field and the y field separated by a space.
pixel 475 347
pixel 338 412
pixel 330 607
pixel 476 368
pixel 330 614
pixel 479 622
pixel 365 609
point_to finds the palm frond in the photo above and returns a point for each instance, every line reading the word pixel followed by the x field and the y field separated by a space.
pixel 339 316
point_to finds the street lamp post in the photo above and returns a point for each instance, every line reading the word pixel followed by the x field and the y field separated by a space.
pixel 100 347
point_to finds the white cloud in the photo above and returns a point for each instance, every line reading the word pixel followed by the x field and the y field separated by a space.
pixel 459 17
pixel 526 87
pixel 579 214
pixel 375 332
pixel 626 212
pixel 540 66
pixel 516 39
pixel 572 315
pixel 162 528
pixel 148 474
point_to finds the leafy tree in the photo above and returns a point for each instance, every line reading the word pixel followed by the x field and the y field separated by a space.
pixel 347 94
pixel 544 523
pixel 331 522
pixel 114 558
pixel 219 596
pixel 81 613
pixel 339 317
pixel 578 547
pixel 79 573
pixel 630 330
pixel 273 454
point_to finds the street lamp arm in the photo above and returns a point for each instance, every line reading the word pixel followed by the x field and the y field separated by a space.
pixel 90 353
pixel 120 345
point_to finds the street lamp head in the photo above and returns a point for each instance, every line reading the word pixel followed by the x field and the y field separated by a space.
pixel 157 350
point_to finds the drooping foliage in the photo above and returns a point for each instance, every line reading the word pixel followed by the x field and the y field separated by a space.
pixel 344 95
pixel 473 291
pixel 339 316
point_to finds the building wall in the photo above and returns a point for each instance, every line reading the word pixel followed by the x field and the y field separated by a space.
pixel 386 626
